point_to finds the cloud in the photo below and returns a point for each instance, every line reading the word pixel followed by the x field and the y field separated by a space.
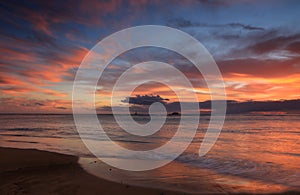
pixel 16 86
pixel 25 70
pixel 52 15
pixel 30 105
pixel 145 100
pixel 183 23
pixel 278 42
pixel 259 68
pixel 294 46
pixel 265 45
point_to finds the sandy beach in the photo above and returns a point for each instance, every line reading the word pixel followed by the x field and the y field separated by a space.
pixel 29 171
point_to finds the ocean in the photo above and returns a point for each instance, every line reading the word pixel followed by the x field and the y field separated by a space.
pixel 254 152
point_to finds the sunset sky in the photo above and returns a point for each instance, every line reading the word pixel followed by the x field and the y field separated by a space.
pixel 256 45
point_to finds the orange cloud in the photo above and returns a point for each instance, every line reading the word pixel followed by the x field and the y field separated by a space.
pixel 27 105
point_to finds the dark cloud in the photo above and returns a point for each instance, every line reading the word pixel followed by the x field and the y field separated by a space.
pixel 270 44
pixel 246 27
pixel 145 100
pixel 294 46
pixel 213 3
pixel 276 43
pixel 210 3
pixel 259 67
pixel 183 23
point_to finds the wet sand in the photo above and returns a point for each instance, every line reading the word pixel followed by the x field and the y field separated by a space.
pixel 30 171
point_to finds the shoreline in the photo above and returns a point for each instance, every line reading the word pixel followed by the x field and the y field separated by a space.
pixel 32 171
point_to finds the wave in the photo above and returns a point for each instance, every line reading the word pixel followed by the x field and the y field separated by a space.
pixel 26 129
pixel 16 141
pixel 264 171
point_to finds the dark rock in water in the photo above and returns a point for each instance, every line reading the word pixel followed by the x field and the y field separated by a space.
pixel 174 114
